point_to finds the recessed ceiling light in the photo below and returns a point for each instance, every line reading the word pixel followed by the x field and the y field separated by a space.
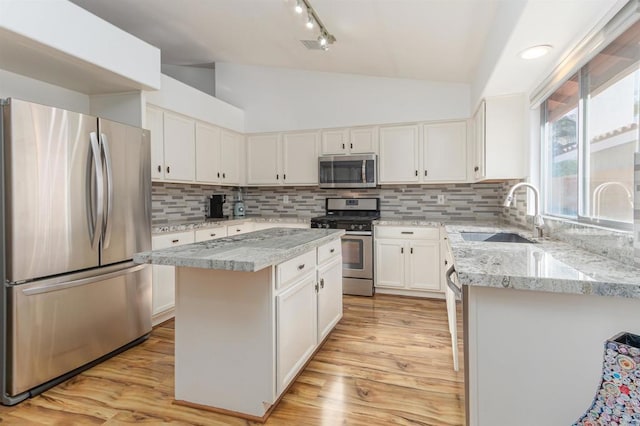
pixel 534 52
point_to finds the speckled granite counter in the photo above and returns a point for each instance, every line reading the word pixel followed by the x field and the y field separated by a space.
pixel 249 252
pixel 547 265
pixel 212 223
pixel 398 221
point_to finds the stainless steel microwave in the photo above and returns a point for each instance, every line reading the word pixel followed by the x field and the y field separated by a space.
pixel 347 171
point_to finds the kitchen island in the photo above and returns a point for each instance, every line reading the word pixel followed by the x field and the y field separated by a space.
pixel 536 317
pixel 251 310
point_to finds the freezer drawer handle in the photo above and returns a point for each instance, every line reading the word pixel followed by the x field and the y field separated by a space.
pixel 47 288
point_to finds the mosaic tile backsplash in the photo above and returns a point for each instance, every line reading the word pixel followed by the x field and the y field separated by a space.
pixel 478 201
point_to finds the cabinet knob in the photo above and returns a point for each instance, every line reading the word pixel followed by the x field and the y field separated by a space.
pixel 159 168
pixel 446 262
pixel 476 168
pixel 168 169
pixel 332 250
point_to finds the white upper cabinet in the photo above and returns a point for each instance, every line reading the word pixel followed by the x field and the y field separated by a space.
pixel 444 152
pixel 208 142
pixel 500 138
pixel 263 159
pixel 357 140
pixel 179 148
pixel 185 150
pixel 399 154
pixel 231 147
pixel 283 158
pixel 156 127
pixel 300 158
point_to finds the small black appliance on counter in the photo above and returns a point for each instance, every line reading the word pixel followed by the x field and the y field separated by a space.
pixel 214 206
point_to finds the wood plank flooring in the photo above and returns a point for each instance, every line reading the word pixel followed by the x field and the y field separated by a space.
pixel 387 362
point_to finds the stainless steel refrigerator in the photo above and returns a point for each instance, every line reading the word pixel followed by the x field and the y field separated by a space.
pixel 76 206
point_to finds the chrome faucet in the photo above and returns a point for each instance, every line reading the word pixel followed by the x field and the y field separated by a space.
pixel 538 222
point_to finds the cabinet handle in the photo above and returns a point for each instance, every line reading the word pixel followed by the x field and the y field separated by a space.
pixel 425 172
pixel 342 146
pixel 175 241
pixel 218 174
pixel 277 177
pixel 476 168
pixel 224 175
pixel 300 267
pixel 159 168
pixel 284 177
pixel 316 287
pixel 322 283
pixel 446 262
pixel 407 232
pixel 351 145
pixel 212 235
pixel 411 250
pixel 401 250
pixel 168 169
pixel 238 230
pixel 332 250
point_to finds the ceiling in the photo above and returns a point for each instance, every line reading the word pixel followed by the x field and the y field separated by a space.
pixel 437 40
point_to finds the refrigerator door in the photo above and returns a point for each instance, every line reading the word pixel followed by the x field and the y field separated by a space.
pixel 127 174
pixel 49 163
pixel 60 324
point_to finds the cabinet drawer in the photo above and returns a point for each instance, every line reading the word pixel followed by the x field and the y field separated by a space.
pixel 422 233
pixel 294 268
pixel 162 241
pixel 239 228
pixel 211 233
pixel 329 250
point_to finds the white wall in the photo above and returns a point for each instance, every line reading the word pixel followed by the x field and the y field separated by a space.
pixel 121 107
pixel 201 78
pixel 278 99
pixel 181 98
pixel 29 89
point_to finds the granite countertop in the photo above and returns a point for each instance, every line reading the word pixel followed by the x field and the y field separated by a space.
pixel 204 223
pixel 248 252
pixel 546 265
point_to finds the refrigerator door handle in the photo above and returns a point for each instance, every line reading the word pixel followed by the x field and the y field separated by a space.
pixel 96 226
pixel 109 211
pixel 47 288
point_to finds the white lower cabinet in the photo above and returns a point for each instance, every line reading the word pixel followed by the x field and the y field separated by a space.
pixel 164 279
pixel 408 260
pixel 329 296
pixel 297 327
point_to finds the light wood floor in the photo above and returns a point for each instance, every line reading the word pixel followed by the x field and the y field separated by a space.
pixel 387 362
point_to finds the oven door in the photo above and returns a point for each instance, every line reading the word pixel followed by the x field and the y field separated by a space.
pixel 357 255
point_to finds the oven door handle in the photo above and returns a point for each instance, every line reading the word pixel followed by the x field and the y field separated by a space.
pixel 361 233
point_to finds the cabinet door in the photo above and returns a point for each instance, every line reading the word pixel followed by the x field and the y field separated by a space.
pixel 363 140
pixel 179 148
pixel 263 165
pixel 163 295
pixel 296 322
pixel 300 158
pixel 479 141
pixel 423 265
pixel 208 140
pixel 505 135
pixel 389 263
pixel 399 154
pixel 334 142
pixel 444 152
pixel 329 297
pixel 155 126
pixel 230 157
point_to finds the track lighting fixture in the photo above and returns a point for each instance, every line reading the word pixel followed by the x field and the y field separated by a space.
pixel 325 38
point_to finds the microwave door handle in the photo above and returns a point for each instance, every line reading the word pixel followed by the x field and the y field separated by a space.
pixel 109 213
pixel 96 224
pixel 364 171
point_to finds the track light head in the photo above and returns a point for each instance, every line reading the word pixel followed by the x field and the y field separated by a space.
pixel 298 8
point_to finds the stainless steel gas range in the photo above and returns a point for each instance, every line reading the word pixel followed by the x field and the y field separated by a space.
pixel 356 216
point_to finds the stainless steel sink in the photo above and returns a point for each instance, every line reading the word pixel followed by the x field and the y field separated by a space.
pixel 490 237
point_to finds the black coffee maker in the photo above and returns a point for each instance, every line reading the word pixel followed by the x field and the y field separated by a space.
pixel 214 206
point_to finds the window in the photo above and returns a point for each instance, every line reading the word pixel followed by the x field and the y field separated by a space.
pixel 590 135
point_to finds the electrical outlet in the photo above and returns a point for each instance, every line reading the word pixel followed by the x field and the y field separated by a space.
pixel 441 198
pixel 285 199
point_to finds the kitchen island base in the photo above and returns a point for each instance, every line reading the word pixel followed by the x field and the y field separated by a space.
pixel 535 358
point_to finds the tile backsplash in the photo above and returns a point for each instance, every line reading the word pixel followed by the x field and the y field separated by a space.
pixel 465 202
